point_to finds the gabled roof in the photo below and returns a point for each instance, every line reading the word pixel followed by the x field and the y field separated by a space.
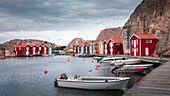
pixel 144 36
pixel 22 45
pixel 116 40
pixel 48 45
pixel 37 45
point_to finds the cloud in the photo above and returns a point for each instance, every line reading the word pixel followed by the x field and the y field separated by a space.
pixel 57 16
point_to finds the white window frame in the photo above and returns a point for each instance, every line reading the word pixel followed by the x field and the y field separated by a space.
pixel 132 42
pixel 150 41
pixel 117 43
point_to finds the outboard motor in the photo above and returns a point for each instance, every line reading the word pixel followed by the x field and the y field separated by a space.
pixel 63 76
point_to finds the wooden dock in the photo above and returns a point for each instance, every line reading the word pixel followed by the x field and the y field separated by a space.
pixel 156 83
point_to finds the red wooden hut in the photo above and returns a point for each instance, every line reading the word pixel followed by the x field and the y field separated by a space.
pixel 142 44
pixel 105 46
pixel 115 46
pixel 44 49
pixel 74 48
pixel 86 48
pixel 35 49
pixel 22 50
pixel 78 48
pixel 96 48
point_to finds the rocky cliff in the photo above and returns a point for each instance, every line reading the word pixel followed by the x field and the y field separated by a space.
pixel 150 17
pixel 109 33
pixel 75 41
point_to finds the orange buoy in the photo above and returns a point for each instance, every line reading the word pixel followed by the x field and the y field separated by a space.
pixel 84 59
pixel 68 60
pixel 92 61
pixel 93 58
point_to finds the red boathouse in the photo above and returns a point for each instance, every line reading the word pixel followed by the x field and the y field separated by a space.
pixel 22 49
pixel 86 48
pixel 105 46
pixel 115 46
pixel 142 44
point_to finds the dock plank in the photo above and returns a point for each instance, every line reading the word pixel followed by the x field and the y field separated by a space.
pixel 156 83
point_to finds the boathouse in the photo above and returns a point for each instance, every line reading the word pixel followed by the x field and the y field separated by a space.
pixel 105 46
pixel 45 49
pixel 101 47
pixel 82 48
pixel 34 50
pixel 78 48
pixel 22 49
pixel 86 48
pixel 142 44
pixel 50 48
pixel 74 48
pixel 96 48
pixel 115 46
pixel 90 48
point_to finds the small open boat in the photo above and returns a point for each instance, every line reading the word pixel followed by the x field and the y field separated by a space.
pixel 110 59
pixel 92 83
pixel 127 61
pixel 132 68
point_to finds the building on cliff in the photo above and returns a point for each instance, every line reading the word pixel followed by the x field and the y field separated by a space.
pixel 142 44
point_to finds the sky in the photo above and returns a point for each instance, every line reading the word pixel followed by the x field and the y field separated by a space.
pixel 60 21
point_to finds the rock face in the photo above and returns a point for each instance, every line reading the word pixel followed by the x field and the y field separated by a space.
pixel 109 33
pixel 75 41
pixel 29 41
pixel 150 17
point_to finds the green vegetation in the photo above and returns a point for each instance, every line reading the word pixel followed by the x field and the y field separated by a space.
pixel 59 48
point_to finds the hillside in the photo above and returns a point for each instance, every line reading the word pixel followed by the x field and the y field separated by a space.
pixel 109 33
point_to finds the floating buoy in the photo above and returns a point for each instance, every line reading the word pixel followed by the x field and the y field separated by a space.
pixel 67 60
pixel 100 63
pixel 45 71
pixel 84 59
pixel 96 68
pixel 90 70
pixel 92 61
pixel 93 58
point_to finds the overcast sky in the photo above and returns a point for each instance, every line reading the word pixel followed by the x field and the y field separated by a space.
pixel 60 21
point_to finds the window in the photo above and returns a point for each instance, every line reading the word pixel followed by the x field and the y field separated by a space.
pixel 19 48
pixel 137 42
pixel 117 43
pixel 132 42
pixel 148 41
pixel 105 45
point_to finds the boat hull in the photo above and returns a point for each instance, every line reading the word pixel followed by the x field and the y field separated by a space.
pixel 120 62
pixel 92 84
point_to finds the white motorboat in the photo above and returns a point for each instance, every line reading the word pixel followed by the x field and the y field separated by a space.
pixel 138 66
pixel 92 83
pixel 128 61
pixel 110 59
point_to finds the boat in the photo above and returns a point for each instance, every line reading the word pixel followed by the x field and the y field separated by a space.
pixel 126 61
pixel 91 83
pixel 132 68
pixel 110 59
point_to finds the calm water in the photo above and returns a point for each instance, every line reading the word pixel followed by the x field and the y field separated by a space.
pixel 24 76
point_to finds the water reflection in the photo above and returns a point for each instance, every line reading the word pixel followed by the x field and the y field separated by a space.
pixel 78 92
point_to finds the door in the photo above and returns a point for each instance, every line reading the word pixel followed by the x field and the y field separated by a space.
pixel 86 49
pixel 146 51
pixel 34 50
pixel 134 43
pixel 78 49
pixel 45 50
pixel 111 48
pixel 27 51
pixel 50 51
pixel 134 52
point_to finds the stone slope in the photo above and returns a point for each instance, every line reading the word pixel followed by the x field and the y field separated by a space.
pixel 109 33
